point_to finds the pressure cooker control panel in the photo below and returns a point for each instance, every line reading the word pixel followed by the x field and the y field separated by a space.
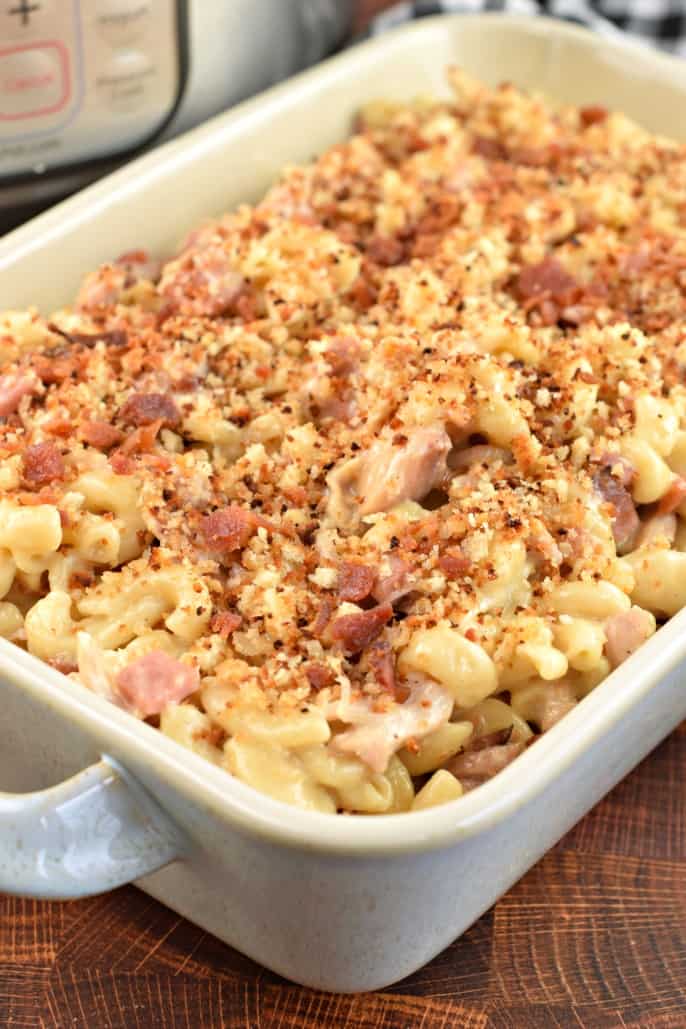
pixel 83 79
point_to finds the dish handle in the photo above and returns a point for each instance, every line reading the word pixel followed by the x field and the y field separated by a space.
pixel 92 833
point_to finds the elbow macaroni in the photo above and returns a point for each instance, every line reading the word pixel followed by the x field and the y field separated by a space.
pixel 464 668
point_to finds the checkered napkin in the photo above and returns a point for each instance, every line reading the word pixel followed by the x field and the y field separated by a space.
pixel 658 22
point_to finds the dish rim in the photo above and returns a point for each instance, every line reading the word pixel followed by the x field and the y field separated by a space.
pixel 245 808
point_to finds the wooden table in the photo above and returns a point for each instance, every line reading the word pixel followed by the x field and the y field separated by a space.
pixel 594 936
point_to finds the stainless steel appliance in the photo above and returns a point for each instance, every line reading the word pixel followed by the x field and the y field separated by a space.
pixel 86 83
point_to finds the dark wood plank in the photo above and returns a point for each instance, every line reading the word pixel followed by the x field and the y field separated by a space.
pixel 594 936
pixel 30 931
pixel 644 816
pixel 572 1017
pixel 591 929
pixel 183 1002
pixel 22 992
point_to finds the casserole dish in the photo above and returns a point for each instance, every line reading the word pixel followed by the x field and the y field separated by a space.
pixel 353 904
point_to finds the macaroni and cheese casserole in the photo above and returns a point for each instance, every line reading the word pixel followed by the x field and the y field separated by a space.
pixel 371 483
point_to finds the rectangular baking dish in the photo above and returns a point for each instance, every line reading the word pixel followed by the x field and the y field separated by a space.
pixel 339 903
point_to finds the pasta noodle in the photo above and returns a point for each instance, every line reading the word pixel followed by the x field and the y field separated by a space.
pixel 371 483
pixel 441 787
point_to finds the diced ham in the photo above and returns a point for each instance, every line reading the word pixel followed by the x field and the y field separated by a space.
pixel 104 287
pixel 454 563
pixel 202 281
pixel 296 494
pixel 229 529
pixel 621 468
pixel 139 265
pixel 491 739
pixel 362 294
pixel 52 368
pixel 355 581
pixel 444 210
pixel 342 355
pixel 65 665
pixel 122 464
pixel 425 244
pixel 389 473
pixel 382 664
pixel 633 263
pixel 206 234
pixel 374 736
pixel 225 622
pixel 592 114
pixel 142 439
pixel 673 498
pixel 396 583
pixel 146 408
pixel 405 472
pixel 100 434
pixel 625 632
pixel 151 682
pixel 13 387
pixel 344 484
pixel 534 156
pixel 625 520
pixel 319 676
pixel 323 618
pixel 576 314
pixel 547 278
pixel 547 310
pixel 42 463
pixel 101 288
pixel 323 400
pixel 547 289
pixel 356 631
pixel 477 766
pixel 328 392
pixel 246 305
pixel 491 149
pixel 558 699
pixel 385 250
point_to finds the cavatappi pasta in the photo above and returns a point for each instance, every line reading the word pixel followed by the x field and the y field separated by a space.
pixel 371 483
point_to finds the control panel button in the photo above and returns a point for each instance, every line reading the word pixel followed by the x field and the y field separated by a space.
pixel 25 13
pixel 34 81
pixel 82 79
pixel 31 21
pixel 122 22
pixel 125 80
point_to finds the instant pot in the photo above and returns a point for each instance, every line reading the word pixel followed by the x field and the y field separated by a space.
pixel 84 84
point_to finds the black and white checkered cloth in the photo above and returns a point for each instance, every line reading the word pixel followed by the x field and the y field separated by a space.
pixel 660 22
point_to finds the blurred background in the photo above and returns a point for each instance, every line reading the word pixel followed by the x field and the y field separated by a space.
pixel 85 87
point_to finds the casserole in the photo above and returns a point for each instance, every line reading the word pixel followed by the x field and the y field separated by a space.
pixel 352 887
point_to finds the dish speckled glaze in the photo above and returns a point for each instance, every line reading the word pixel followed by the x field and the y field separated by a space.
pixel 340 904
pixel 98 828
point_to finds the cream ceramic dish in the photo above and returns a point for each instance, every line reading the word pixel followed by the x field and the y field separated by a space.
pixel 339 903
